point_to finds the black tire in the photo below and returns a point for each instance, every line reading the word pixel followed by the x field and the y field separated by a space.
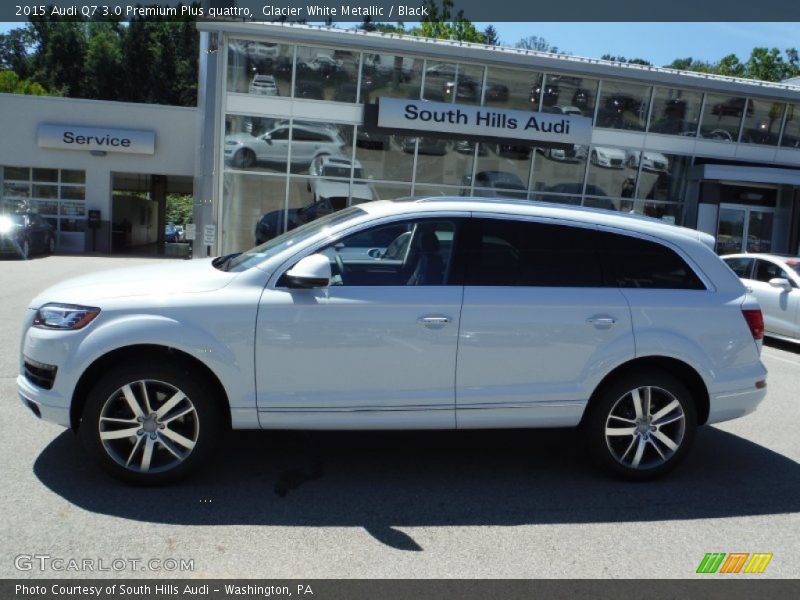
pixel 50 246
pixel 615 406
pixel 107 408
pixel 244 158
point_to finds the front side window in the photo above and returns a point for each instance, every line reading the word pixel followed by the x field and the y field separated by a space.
pixel 406 253
pixel 766 270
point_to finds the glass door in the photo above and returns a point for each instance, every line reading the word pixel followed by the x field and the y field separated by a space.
pixel 744 229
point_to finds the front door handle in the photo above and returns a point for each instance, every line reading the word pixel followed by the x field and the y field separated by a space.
pixel 433 321
pixel 602 321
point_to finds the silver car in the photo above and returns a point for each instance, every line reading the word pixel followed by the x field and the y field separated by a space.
pixel 775 281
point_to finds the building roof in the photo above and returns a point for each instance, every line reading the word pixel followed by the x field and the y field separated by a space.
pixel 357 39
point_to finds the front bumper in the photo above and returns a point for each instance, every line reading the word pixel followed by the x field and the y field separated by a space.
pixel 49 404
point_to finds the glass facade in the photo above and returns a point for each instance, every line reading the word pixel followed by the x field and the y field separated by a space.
pixel 280 172
pixel 58 195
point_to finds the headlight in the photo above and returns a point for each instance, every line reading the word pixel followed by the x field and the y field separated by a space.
pixel 6 225
pixel 64 316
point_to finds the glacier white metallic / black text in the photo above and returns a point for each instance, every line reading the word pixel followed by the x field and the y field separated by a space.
pixel 446 313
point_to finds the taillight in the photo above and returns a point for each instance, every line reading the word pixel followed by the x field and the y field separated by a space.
pixel 755 320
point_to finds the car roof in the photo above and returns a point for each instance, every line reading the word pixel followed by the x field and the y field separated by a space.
pixel 547 210
pixel 778 257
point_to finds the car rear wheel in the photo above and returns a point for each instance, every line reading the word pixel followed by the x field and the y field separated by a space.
pixel 244 158
pixel 642 426
pixel 150 423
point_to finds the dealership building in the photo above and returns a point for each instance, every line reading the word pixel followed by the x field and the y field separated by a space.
pixel 294 121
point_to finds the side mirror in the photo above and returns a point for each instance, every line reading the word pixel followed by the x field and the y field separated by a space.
pixel 781 282
pixel 311 272
pixel 267 137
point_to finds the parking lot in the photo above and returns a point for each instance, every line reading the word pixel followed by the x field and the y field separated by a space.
pixel 420 505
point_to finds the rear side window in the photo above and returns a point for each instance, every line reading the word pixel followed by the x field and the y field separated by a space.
pixel 743 267
pixel 630 262
pixel 520 253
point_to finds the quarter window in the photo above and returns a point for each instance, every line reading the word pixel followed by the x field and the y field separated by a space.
pixel 630 262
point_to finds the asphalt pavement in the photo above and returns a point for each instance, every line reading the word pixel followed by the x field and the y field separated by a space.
pixel 518 504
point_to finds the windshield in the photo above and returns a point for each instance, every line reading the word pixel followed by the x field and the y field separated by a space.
pixel 270 248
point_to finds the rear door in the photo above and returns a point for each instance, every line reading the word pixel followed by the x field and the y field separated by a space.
pixel 538 330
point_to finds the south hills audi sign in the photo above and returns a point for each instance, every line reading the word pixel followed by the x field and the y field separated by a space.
pixel 463 121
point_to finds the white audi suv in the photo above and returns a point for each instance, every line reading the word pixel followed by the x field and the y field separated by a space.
pixel 471 314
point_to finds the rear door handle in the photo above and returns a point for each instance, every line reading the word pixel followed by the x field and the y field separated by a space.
pixel 602 322
pixel 433 321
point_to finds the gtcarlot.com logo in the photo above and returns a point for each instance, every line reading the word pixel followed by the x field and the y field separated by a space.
pixel 46 562
pixel 735 562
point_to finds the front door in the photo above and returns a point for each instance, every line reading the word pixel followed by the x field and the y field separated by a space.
pixel 377 348
pixel 744 229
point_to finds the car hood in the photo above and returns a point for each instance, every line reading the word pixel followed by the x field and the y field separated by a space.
pixel 163 278
pixel 610 152
pixel 326 188
pixel 242 138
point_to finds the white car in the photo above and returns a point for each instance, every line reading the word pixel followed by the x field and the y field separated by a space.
pixel 478 314
pixel 243 150
pixel 605 156
pixel 263 85
pixel 575 154
pixel 322 62
pixel 775 281
pixel 651 161
pixel 261 51
pixel 330 177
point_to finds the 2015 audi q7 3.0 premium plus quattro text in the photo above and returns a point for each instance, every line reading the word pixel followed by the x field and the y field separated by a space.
pixel 475 314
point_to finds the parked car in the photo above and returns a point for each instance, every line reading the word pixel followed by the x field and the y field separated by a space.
pixel 604 156
pixel 732 107
pixel 372 139
pixel 24 234
pixel 651 161
pixel 308 141
pixel 495 184
pixel 574 193
pixel 263 85
pixel 171 234
pixel 330 178
pixel 467 90
pixel 549 96
pixel 531 315
pixel 559 109
pixel 576 153
pixel 775 282
pixel 427 145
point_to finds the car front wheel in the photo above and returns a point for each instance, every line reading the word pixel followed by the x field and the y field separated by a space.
pixel 642 426
pixel 151 423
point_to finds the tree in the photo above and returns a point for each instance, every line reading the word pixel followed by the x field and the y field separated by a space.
pixel 534 42
pixel 103 66
pixel 14 51
pixel 622 59
pixel 179 209
pixel 10 83
pixel 61 51
pixel 490 36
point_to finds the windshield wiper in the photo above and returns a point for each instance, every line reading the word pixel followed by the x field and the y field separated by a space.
pixel 223 262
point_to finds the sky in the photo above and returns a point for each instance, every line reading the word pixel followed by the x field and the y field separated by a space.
pixel 659 43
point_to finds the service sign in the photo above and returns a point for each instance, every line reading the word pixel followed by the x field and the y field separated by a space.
pixel 70 137
pixel 483 121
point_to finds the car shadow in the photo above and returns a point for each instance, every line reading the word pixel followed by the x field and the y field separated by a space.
pixel 792 347
pixel 382 481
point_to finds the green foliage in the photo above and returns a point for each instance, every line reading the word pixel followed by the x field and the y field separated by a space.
pixel 146 60
pixel 10 83
pixel 764 64
pixel 534 42
pixel 179 209
pixel 622 59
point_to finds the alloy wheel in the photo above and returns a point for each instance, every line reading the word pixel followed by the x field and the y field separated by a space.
pixel 148 426
pixel 645 427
